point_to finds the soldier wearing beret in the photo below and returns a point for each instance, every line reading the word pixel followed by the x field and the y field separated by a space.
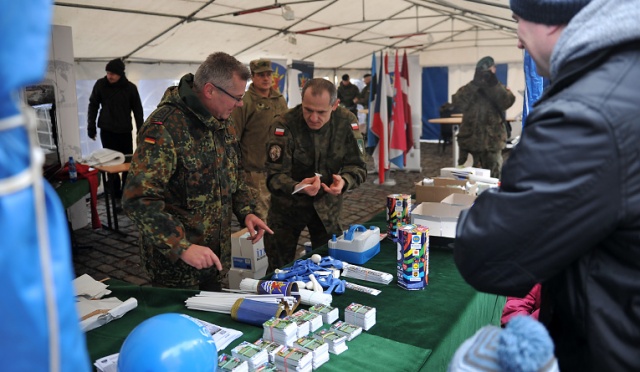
pixel 252 120
pixel 314 155
pixel 186 179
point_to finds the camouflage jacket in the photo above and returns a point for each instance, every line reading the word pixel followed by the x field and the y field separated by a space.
pixel 296 152
pixel 482 127
pixel 184 183
pixel 346 94
pixel 252 122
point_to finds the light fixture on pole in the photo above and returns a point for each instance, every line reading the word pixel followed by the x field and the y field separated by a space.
pixel 287 13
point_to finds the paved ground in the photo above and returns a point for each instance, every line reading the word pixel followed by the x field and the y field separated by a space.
pixel 115 255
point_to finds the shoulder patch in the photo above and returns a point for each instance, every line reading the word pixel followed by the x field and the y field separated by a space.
pixel 274 154
pixel 160 115
pixel 355 126
pixel 150 140
pixel 279 132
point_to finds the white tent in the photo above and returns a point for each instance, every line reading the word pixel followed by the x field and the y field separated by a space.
pixel 334 34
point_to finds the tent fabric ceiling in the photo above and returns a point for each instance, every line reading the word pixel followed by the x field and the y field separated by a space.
pixel 331 33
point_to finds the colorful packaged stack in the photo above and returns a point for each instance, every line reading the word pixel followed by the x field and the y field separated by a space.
pixel 318 348
pixel 282 331
pixel 294 359
pixel 250 353
pixel 315 320
pixel 360 315
pixel 267 367
pixel 228 363
pixel 304 328
pixel 329 314
pixel 337 343
pixel 271 347
pixel 350 331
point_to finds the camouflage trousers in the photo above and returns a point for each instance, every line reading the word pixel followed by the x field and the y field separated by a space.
pixel 257 182
pixel 282 245
pixel 491 160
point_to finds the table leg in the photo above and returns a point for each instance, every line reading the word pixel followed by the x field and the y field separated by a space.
pixel 107 188
pixel 454 142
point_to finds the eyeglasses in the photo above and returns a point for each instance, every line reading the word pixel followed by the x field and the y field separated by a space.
pixel 229 94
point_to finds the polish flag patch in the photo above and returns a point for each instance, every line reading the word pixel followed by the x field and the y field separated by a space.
pixel 355 126
pixel 279 132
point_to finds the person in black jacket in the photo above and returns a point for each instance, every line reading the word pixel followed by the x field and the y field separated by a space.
pixel 567 212
pixel 115 97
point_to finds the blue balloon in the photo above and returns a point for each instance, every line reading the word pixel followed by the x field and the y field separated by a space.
pixel 168 342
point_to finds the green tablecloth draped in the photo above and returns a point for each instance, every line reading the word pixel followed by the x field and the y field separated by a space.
pixel 414 330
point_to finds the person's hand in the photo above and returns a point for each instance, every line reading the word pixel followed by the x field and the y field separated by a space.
pixel 313 189
pixel 92 133
pixel 200 257
pixel 336 185
pixel 256 228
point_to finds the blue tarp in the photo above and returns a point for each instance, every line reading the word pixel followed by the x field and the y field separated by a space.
pixel 39 322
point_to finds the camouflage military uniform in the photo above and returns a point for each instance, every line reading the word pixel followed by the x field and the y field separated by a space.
pixel 346 94
pixel 252 122
pixel 482 132
pixel 296 152
pixel 184 183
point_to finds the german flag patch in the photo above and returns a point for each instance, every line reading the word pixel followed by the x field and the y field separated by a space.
pixel 279 132
pixel 355 126
pixel 150 140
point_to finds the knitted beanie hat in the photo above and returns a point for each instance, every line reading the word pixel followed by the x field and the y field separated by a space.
pixel 115 66
pixel 523 346
pixel 547 12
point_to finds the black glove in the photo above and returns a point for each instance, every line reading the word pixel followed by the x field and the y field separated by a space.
pixel 92 133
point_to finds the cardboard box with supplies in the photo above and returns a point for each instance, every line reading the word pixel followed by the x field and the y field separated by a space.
pixel 439 188
pixel 245 255
pixel 441 218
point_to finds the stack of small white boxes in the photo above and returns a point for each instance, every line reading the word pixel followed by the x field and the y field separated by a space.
pixel 248 260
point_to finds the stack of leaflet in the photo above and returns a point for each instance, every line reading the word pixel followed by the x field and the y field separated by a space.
pixel 294 359
pixel 228 363
pixel 318 348
pixel 362 273
pixel 304 327
pixel 250 353
pixel 267 367
pixel 282 331
pixel 360 315
pixel 337 343
pixel 350 331
pixel 271 348
pixel 315 320
pixel 329 314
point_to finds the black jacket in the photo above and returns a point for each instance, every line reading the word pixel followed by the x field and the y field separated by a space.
pixel 567 214
pixel 115 102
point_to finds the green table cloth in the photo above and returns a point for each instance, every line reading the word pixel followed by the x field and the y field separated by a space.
pixel 414 330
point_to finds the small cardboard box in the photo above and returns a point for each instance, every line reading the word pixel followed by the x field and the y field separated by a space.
pixel 236 276
pixel 440 218
pixel 245 255
pixel 442 187
pixel 463 200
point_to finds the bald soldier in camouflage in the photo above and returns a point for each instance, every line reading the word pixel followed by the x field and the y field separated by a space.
pixel 252 120
pixel 186 179
pixel 482 133
pixel 316 145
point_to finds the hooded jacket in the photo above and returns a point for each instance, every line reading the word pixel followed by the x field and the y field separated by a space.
pixel 567 213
